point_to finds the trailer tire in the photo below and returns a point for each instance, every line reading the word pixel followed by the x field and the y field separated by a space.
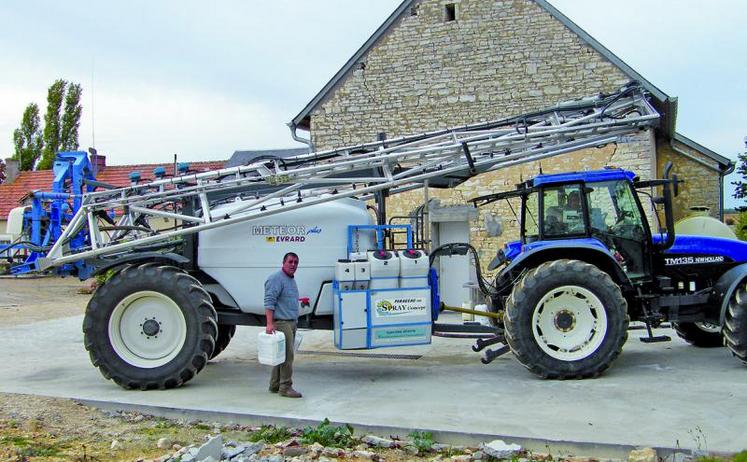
pixel 150 327
pixel 735 323
pixel 566 319
pixel 225 334
pixel 699 335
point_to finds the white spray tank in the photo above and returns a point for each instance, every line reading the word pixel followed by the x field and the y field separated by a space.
pixel 384 269
pixel 698 223
pixel 413 268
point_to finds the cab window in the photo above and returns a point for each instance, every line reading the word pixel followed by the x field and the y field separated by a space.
pixel 563 211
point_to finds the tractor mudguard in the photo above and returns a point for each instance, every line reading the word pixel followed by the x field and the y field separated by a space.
pixel 588 250
pixel 103 265
pixel 725 287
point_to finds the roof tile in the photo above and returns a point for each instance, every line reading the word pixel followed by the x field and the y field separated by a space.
pixel 11 194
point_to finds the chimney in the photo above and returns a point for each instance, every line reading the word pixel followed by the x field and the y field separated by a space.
pixel 98 162
pixel 12 168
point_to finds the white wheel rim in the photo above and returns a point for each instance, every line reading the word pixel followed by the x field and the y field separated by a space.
pixel 569 323
pixel 147 329
pixel 708 327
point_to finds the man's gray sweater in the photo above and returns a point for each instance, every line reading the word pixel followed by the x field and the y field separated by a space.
pixel 281 296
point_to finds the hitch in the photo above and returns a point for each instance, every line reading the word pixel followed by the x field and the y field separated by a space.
pixel 491 354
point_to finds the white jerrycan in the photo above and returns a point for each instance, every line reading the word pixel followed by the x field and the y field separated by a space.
pixel 271 348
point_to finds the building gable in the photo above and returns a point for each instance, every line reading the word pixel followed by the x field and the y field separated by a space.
pixel 475 20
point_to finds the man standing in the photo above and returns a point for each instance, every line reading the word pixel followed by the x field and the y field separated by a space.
pixel 282 310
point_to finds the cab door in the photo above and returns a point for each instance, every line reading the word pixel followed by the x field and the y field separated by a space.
pixel 615 218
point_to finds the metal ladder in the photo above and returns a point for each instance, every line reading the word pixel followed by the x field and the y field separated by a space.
pixel 445 158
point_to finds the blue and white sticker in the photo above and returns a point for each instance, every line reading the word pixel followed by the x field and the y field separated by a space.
pixel 400 306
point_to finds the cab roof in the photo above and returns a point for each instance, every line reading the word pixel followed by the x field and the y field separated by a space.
pixel 592 176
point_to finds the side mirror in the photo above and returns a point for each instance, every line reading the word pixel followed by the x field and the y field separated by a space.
pixel 493 225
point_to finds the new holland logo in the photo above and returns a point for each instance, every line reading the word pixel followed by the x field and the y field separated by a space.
pixel 693 260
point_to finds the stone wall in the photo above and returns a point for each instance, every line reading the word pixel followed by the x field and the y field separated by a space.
pixel 700 187
pixel 499 58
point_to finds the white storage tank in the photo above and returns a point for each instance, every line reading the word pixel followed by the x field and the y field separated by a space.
pixel 413 268
pixel 241 256
pixel 698 223
pixel 384 269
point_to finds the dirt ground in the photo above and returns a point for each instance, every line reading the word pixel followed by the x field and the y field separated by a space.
pixel 27 300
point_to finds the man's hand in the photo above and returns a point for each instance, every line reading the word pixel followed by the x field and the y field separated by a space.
pixel 269 315
pixel 270 329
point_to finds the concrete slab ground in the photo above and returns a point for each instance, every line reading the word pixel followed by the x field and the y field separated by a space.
pixel 666 395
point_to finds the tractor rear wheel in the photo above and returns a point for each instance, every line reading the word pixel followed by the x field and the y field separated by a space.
pixel 225 334
pixel 700 334
pixel 566 319
pixel 735 323
pixel 150 327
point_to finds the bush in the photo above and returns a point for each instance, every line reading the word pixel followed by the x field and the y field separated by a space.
pixel 328 435
pixel 740 456
pixel 270 434
pixel 422 440
pixel 741 226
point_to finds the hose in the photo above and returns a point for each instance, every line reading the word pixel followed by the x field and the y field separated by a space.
pixel 461 248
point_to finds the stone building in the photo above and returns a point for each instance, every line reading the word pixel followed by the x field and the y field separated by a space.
pixel 440 63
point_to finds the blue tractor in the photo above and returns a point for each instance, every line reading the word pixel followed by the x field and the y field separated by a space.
pixel 587 263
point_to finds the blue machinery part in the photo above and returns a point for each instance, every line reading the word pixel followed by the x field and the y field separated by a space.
pixel 52 211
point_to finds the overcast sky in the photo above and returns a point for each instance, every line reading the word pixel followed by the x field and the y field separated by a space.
pixel 203 80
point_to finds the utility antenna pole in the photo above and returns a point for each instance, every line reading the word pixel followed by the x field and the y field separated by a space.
pixel 93 123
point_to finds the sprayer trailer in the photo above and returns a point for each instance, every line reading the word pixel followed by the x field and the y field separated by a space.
pixel 561 301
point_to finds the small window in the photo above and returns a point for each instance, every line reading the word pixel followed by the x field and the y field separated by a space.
pixel 450 12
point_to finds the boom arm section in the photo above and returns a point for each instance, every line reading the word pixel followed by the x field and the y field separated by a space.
pixel 445 158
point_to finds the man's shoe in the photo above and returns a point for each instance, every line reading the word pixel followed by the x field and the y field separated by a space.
pixel 274 390
pixel 290 393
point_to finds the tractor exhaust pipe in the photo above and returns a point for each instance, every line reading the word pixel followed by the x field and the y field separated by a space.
pixel 666 199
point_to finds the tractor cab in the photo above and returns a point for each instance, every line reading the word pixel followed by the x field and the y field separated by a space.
pixel 597 208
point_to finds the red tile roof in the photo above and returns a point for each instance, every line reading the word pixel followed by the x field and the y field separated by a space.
pixel 11 194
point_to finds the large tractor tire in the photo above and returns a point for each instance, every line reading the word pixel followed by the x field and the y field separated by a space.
pixel 566 319
pixel 735 324
pixel 150 327
pixel 225 334
pixel 700 334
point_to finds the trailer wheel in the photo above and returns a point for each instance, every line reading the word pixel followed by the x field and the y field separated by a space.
pixel 225 334
pixel 150 327
pixel 700 334
pixel 566 319
pixel 735 324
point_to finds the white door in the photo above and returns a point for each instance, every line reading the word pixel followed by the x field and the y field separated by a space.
pixel 454 271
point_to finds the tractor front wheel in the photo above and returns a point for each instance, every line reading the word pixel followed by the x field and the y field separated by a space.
pixel 150 327
pixel 566 319
pixel 735 323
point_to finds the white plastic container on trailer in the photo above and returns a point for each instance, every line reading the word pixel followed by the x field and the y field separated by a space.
pixel 240 257
pixel 413 268
pixel 384 269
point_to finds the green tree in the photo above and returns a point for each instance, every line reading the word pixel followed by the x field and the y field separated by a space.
pixel 71 118
pixel 52 139
pixel 28 139
pixel 741 185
